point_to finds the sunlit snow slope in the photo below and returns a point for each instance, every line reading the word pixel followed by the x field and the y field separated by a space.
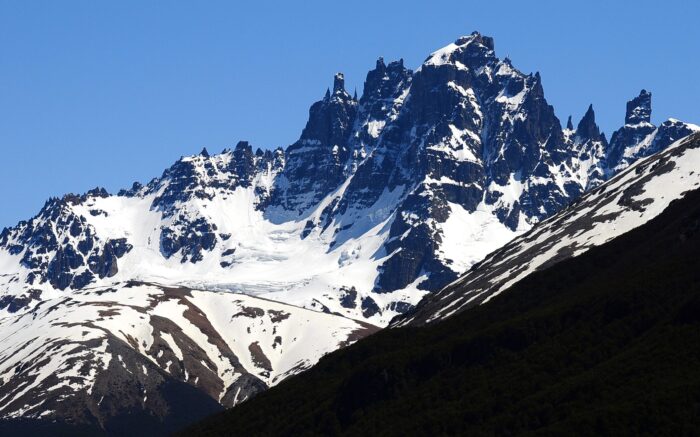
pixel 81 356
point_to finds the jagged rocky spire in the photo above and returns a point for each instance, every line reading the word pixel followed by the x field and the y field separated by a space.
pixel 317 162
pixel 464 132
pixel 639 109
pixel 587 151
pixel 338 83
pixel 639 138
pixel 380 64
pixel 587 127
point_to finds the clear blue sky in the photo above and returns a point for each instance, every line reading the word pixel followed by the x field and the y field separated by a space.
pixel 105 93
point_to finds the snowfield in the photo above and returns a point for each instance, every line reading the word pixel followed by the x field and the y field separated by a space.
pixel 229 345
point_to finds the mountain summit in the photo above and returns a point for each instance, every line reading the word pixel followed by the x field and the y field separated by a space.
pixel 381 201
pixel 639 138
pixel 392 195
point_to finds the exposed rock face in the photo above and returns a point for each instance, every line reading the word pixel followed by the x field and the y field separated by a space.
pixel 417 180
pixel 639 109
pixel 61 248
pixel 471 131
pixel 639 138
pixel 318 162
pixel 384 90
pixel 588 148
pixel 185 231
pixel 381 201
pixel 629 200
pixel 587 128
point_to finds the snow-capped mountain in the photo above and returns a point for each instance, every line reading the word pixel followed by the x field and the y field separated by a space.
pixel 95 354
pixel 627 201
pixel 382 200
pixel 602 343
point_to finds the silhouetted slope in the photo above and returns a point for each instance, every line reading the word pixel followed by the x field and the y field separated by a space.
pixel 605 343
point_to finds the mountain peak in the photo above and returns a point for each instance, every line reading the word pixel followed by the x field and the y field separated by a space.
pixel 338 83
pixel 569 124
pixel 473 51
pixel 587 127
pixel 242 146
pixel 639 109
pixel 477 37
pixel 398 64
pixel 466 140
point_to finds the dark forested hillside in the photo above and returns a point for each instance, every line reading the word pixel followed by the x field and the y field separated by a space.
pixel 607 343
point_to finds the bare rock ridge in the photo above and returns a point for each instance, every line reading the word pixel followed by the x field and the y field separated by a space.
pixel 233 270
pixel 465 140
pixel 630 199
